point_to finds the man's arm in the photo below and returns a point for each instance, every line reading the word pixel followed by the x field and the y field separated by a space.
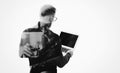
pixel 60 60
pixel 63 60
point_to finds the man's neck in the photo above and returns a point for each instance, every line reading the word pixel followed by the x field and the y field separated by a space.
pixel 43 26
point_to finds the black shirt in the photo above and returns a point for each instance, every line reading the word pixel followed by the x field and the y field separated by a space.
pixel 51 50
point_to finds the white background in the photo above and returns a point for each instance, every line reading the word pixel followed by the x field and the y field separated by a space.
pixel 97 22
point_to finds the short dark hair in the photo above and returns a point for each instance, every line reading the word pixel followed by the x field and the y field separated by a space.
pixel 49 11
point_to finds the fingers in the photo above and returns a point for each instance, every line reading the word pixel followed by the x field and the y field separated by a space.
pixel 27 51
pixel 64 49
pixel 26 54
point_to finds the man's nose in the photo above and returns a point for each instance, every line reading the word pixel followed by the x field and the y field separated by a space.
pixel 51 19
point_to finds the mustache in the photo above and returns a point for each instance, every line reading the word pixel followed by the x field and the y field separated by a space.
pixel 46 26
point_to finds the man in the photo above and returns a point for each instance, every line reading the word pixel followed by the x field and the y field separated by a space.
pixel 45 55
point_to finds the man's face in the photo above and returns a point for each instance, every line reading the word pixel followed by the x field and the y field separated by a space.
pixel 48 18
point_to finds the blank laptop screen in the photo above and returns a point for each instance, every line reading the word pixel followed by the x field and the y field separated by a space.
pixel 68 39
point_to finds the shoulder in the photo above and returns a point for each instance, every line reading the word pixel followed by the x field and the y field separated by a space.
pixel 26 32
pixel 31 30
pixel 54 34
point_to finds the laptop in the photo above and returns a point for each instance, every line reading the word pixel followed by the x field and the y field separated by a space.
pixel 68 39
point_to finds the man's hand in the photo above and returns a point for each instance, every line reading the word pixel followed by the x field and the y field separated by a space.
pixel 27 50
pixel 70 52
pixel 66 50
